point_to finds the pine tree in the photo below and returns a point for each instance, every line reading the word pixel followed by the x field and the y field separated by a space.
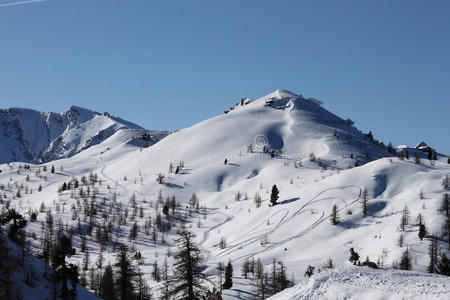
pixel 417 159
pixel 405 218
pixel 406 261
pixel 62 272
pixel 282 279
pixel 188 275
pixel 86 260
pixel 107 291
pixel 100 259
pixel 274 195
pixel 364 200
pixel 432 254
pixel 446 230
pixel 400 240
pixel 446 182
pixel 228 276
pixel 245 269
pixel 142 288
pixel 8 266
pixel 125 274
pixel 273 278
pixel 422 231
pixel 445 206
pixel 133 232
pixel 160 179
pixel 443 266
pixel 53 169
pixel 260 286
pixel 334 217
pixel 18 223
pixel 165 293
pixel 155 273
pixel 354 256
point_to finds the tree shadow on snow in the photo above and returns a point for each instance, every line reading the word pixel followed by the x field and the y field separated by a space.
pixel 173 185
pixel 289 200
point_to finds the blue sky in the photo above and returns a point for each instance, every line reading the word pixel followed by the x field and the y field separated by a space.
pixel 170 64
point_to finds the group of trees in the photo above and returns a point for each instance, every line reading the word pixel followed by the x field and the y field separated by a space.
pixel 8 265
pixel 266 283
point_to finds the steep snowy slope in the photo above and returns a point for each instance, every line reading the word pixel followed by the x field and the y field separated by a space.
pixel 267 141
pixel 31 136
pixel 28 280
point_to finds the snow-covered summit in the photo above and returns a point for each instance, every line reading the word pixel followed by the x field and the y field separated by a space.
pixel 282 93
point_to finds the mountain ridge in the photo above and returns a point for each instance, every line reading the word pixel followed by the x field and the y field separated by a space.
pixel 32 136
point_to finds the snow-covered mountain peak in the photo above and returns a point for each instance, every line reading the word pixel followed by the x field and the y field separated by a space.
pixel 32 136
pixel 280 94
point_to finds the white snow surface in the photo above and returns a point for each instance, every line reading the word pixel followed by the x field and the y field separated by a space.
pixel 364 283
pixel 297 231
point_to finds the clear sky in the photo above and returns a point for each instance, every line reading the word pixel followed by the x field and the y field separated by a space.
pixel 170 64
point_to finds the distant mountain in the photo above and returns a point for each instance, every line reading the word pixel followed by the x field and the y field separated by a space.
pixel 31 136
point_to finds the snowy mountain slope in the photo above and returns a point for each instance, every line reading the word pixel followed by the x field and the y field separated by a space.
pixel 29 282
pixel 292 126
pixel 297 231
pixel 31 136
pixel 364 283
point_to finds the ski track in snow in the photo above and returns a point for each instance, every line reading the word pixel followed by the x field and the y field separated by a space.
pixel 239 245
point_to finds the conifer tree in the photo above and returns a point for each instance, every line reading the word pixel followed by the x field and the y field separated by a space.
pixel 354 256
pixel 406 260
pixel 187 268
pixel 445 206
pixel 422 231
pixel 245 269
pixel 274 195
pixel 334 217
pixel 443 266
pixel 8 266
pixel 107 289
pixel 86 260
pixel 446 182
pixel 155 273
pixel 282 279
pixel 432 254
pixel 364 200
pixel 133 232
pixel 62 272
pixel 405 218
pixel 228 276
pixel 142 288
pixel 260 286
pixel 165 294
pixel 125 274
